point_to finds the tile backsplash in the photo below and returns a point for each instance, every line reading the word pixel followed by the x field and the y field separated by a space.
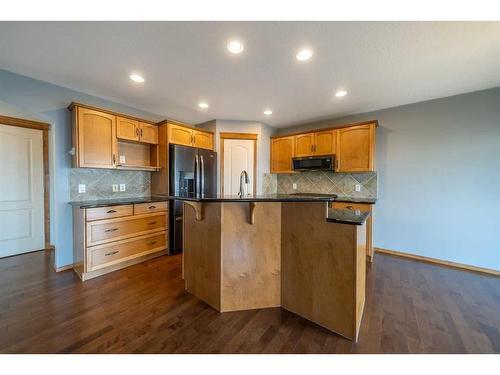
pixel 323 182
pixel 99 183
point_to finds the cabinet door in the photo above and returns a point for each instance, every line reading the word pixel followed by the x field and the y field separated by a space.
pixel 356 148
pixel 282 151
pixel 203 140
pixel 149 133
pixel 304 144
pixel 127 129
pixel 324 142
pixel 96 139
pixel 180 135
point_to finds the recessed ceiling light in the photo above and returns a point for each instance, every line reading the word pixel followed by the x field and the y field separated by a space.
pixel 268 112
pixel 340 93
pixel 235 47
pixel 136 78
pixel 203 105
pixel 304 55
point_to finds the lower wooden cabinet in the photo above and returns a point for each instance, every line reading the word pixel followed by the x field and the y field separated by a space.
pixel 369 222
pixel 106 239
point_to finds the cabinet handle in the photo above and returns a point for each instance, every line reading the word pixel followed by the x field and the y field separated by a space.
pixel 194 139
pixel 114 159
pixel 111 230
pixel 141 133
pixel 151 243
pixel 336 164
pixel 152 222
pixel 137 132
pixel 349 207
pixel 111 212
pixel 112 253
pixel 152 207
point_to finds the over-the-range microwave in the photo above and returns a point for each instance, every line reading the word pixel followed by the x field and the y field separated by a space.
pixel 314 163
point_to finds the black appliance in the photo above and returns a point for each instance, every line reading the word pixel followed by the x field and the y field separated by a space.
pixel 314 163
pixel 192 171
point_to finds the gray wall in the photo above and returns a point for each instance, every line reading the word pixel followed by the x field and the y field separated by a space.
pixel 438 166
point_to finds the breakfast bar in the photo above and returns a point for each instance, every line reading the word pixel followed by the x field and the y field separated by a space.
pixel 265 251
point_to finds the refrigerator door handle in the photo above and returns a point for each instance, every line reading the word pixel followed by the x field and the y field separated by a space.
pixel 196 173
pixel 202 175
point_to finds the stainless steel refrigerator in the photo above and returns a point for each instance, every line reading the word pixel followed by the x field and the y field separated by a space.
pixel 192 171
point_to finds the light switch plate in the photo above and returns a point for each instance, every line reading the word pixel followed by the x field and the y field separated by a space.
pixel 82 188
pixel 122 187
pixel 357 187
pixel 115 188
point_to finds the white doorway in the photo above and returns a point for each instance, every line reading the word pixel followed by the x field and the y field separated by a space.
pixel 22 196
pixel 238 153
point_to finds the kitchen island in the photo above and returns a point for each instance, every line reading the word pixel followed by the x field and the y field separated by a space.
pixel 277 250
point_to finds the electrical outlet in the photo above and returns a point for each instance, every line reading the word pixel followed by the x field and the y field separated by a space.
pixel 123 160
pixel 294 185
pixel 81 188
pixel 357 187
pixel 122 187
pixel 115 188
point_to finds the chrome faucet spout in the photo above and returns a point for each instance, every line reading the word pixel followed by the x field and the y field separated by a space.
pixel 243 175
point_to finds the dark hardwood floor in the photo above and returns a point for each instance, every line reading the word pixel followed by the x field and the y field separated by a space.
pixel 411 307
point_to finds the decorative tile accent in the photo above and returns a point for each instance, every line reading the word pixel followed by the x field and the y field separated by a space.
pixel 99 183
pixel 323 182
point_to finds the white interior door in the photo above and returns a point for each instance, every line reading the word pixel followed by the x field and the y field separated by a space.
pixel 238 156
pixel 21 190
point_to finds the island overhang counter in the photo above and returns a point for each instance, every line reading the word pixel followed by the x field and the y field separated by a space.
pixel 277 250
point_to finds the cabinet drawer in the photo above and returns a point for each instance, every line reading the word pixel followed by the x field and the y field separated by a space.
pixel 146 208
pixel 103 231
pixel 120 251
pixel 352 206
pixel 100 213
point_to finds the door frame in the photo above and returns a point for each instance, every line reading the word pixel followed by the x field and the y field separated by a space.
pixel 44 127
pixel 246 136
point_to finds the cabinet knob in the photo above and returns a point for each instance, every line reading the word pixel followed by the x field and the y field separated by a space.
pixel 111 230
pixel 111 212
pixel 111 253
pixel 152 207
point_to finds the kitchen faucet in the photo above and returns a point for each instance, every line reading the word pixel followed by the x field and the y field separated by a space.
pixel 247 181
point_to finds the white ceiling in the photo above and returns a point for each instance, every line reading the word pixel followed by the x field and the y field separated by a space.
pixel 380 64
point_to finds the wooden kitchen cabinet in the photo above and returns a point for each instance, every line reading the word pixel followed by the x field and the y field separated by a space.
pixel 104 139
pixel 315 143
pixel 187 136
pixel 369 222
pixel 148 133
pixel 356 148
pixel 203 140
pixel 94 138
pixel 304 144
pixel 127 129
pixel 282 152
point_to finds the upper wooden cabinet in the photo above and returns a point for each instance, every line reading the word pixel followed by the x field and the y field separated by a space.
pixel 148 133
pixel 103 139
pixel 316 143
pixel 356 148
pixel 186 136
pixel 127 129
pixel 203 140
pixel 94 138
pixel 353 147
pixel 282 151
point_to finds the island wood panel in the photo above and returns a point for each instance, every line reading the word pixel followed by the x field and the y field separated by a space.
pixel 251 256
pixel 201 253
pixel 360 272
pixel 369 222
pixel 319 268
pixel 79 242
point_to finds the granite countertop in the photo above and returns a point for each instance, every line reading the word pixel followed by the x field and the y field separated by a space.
pixel 257 198
pixel 118 202
pixel 355 217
